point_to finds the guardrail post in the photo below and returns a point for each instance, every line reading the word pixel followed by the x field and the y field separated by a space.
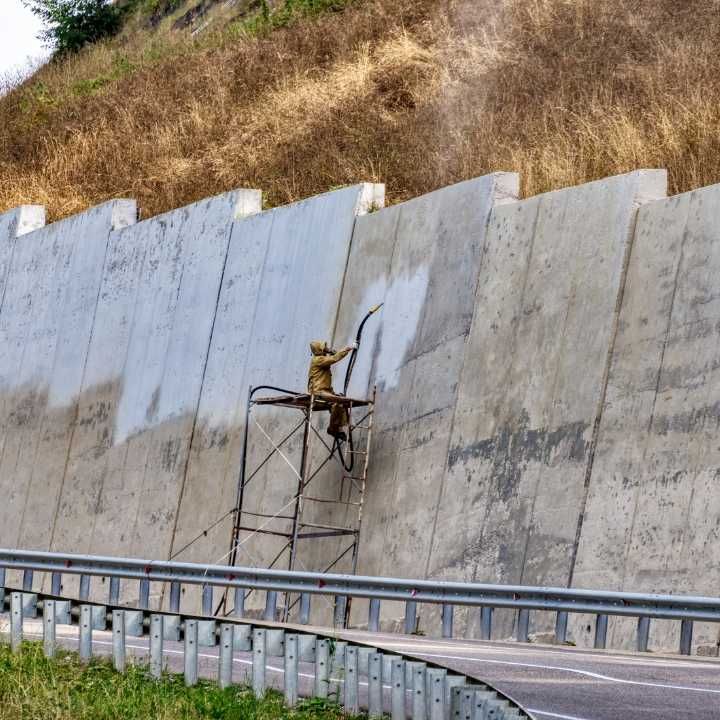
pixel 322 669
pixel 225 666
pixel 397 693
pixel 601 627
pixel 339 614
pixel 447 621
pixel 452 682
pixel 239 602
pixel 486 614
pixel 458 695
pixel 374 615
pixel 49 628
pixel 291 670
pixel 643 634
pixel 270 613
pixel 418 687
pixel 375 689
pixel 207 599
pixel 27 581
pixel 561 623
pixel 56 583
pixel 114 591
pixel 144 594
pixel 523 625
pixel 171 623
pixel 86 627
pixel 337 669
pixel 410 617
pixel 351 701
pixel 305 608
pixel 175 590
pixel 16 621
pixel 118 632
pixel 489 706
pixel 480 703
pixel 156 646
pixel 686 637
pixel 436 693
pixel 84 589
pixel 191 652
pixel 467 700
pixel 258 662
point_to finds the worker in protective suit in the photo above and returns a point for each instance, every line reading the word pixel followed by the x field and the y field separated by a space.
pixel 320 382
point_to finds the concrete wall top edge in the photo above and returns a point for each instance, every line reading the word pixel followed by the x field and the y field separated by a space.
pixel 22 220
pixel 652 185
pixel 369 195
pixel 117 213
pixel 655 202
pixel 506 189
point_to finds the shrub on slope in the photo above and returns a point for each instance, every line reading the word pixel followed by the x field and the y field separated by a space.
pixel 415 93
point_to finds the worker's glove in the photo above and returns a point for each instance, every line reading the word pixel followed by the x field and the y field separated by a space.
pixel 353 346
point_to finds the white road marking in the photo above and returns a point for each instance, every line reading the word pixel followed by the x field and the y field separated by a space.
pixel 576 671
pixel 556 715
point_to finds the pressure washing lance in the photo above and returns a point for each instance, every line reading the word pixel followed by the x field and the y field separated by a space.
pixel 358 340
pixel 337 444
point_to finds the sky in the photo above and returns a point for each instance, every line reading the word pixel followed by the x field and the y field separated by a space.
pixel 18 41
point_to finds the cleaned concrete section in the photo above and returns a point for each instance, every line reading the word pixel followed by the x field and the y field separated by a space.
pixel 652 513
pixel 127 451
pixel 281 289
pixel 422 259
pixel 13 225
pixel 47 317
pixel 532 382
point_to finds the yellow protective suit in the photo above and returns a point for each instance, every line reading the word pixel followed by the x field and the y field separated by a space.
pixel 320 382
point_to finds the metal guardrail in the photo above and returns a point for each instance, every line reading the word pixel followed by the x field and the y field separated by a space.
pixel 561 601
pixel 314 665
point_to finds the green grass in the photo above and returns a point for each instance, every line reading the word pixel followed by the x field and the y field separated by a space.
pixel 35 688
pixel 284 15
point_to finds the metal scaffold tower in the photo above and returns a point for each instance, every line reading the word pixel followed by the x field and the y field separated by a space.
pixel 325 479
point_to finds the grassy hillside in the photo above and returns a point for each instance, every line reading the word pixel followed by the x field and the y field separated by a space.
pixel 415 93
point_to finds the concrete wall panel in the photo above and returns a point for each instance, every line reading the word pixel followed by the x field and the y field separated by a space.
pixel 49 302
pixel 532 382
pixel 13 224
pixel 652 514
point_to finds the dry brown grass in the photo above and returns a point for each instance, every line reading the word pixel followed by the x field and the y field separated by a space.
pixel 415 93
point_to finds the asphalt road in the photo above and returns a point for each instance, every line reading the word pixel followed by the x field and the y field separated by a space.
pixel 569 684
pixel 550 681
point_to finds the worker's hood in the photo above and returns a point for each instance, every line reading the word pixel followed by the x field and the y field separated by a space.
pixel 317 347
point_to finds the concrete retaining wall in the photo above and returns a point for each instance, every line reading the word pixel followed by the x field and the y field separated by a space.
pixel 546 378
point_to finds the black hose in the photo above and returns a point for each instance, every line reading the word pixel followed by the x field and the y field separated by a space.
pixel 358 338
pixel 346 385
pixel 271 387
